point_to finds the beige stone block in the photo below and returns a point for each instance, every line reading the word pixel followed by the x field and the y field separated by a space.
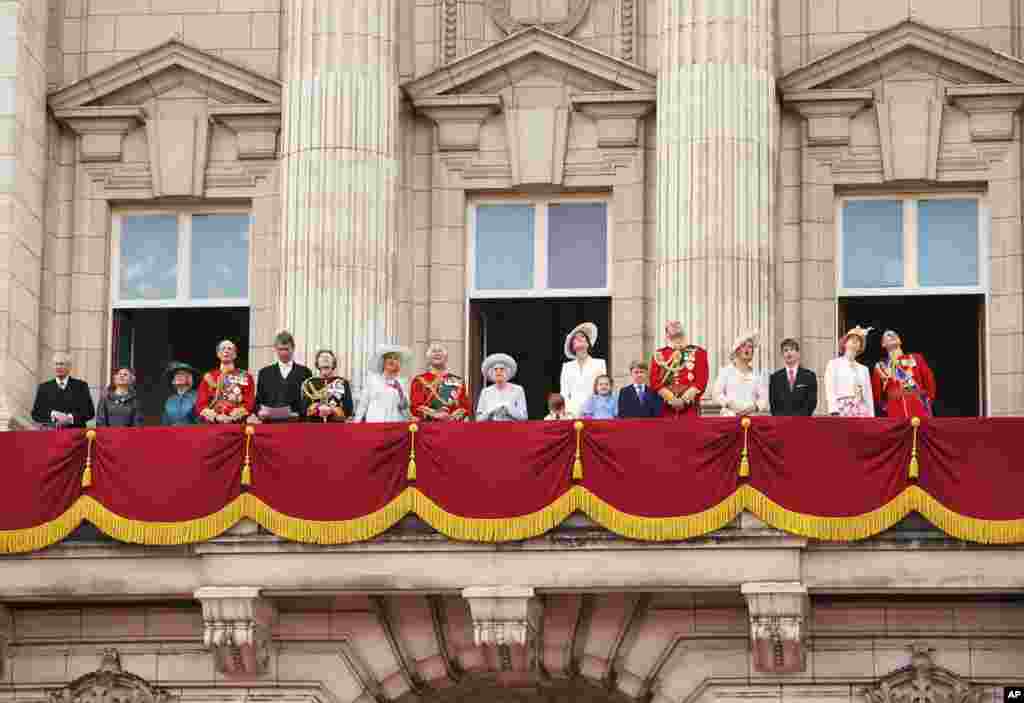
pixel 829 618
pixel 821 44
pixel 1004 199
pixel 1007 274
pixel 447 321
pixel 100 33
pixel 447 283
pixel 309 664
pixel 39 667
pixel 99 623
pixel 266 31
pixel 628 279
pixel 90 255
pixel 448 246
pixel 996 658
pixel 137 32
pixel 182 666
pixel 721 620
pixel 73 8
pixel 868 15
pixel 62 293
pixel 628 239
pixel 1006 353
pixel 989 617
pixel 1006 237
pixel 790 19
pixel 222 31
pixel 918 618
pixel 628 317
pixel 791 53
pixel 72 34
pixel 840 658
pixel 182 6
pixel 948 14
pixel 47 624
pixel 790 281
pixel 1006 394
pixel 265 61
pixel 174 622
pixel 1005 313
pixel 88 330
pixel 996 13
pixel 250 5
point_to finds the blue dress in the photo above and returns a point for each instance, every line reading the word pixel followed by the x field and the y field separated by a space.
pixel 601 407
pixel 180 409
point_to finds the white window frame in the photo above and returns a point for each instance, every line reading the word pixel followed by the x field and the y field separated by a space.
pixel 911 252
pixel 540 248
pixel 183 298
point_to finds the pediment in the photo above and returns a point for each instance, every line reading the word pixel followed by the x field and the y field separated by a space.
pixel 533 53
pixel 173 70
pixel 909 48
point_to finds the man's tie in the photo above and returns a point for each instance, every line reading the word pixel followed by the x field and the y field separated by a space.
pixel 792 378
pixel 640 392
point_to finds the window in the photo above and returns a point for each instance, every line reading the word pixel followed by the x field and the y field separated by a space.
pixel 183 259
pixel 558 247
pixel 906 245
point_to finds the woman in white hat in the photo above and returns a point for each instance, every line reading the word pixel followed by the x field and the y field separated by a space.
pixel 580 372
pixel 848 383
pixel 739 389
pixel 384 398
pixel 503 401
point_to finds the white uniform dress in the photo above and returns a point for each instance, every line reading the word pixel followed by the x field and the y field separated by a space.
pixel 383 400
pixel 735 389
pixel 577 383
pixel 502 404
pixel 848 388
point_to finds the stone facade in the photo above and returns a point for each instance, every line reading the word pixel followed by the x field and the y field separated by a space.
pixel 724 217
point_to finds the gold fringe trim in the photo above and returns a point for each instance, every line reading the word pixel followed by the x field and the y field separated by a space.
pixel 31 539
pixel 328 531
pixel 661 529
pixel 161 533
pixel 475 529
pixel 836 529
pixel 963 527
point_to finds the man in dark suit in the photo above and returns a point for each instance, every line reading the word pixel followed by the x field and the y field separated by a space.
pixel 793 390
pixel 279 386
pixel 63 401
pixel 637 399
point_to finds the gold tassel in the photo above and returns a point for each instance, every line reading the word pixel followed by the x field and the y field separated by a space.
pixel 744 457
pixel 410 474
pixel 915 468
pixel 577 466
pixel 247 467
pixel 90 436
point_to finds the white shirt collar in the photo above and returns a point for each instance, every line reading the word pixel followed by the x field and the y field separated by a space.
pixel 285 368
pixel 63 383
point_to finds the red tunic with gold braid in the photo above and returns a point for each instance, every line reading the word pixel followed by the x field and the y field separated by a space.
pixel 904 387
pixel 231 393
pixel 679 370
pixel 434 394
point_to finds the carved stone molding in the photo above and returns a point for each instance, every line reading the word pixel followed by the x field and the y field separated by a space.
pixel 102 129
pixel 256 127
pixel 451 29
pixel 828 113
pixel 991 109
pixel 178 149
pixel 458 118
pixel 618 115
pixel 922 682
pixel 778 624
pixel 627 30
pixel 503 615
pixel 5 633
pixel 110 684
pixel 236 628
pixel 501 13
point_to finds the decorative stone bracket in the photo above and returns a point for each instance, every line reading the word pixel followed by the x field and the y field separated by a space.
pixel 778 624
pixel 618 115
pixel 991 109
pixel 256 127
pixel 458 118
pixel 102 129
pixel 503 615
pixel 828 113
pixel 236 628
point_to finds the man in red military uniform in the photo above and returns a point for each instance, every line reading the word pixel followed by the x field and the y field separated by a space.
pixel 902 384
pixel 679 374
pixel 439 394
pixel 227 394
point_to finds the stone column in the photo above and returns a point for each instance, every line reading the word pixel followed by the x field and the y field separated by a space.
pixel 716 150
pixel 339 178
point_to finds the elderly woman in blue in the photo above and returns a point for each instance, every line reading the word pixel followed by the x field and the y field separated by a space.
pixel 180 408
pixel 603 404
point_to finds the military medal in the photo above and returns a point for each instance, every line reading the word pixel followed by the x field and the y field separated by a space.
pixel 689 377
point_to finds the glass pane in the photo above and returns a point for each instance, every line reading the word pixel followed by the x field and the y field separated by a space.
pixel 578 245
pixel 149 257
pixel 873 244
pixel 504 247
pixel 948 242
pixel 220 256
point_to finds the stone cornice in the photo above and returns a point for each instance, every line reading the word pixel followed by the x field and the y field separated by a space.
pixel 906 34
pixel 617 114
pixel 991 109
pixel 828 113
pixel 535 40
pixel 145 64
pixel 458 118
pixel 255 125
pixel 102 129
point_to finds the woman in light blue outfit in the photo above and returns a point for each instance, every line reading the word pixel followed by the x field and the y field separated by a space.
pixel 180 408
pixel 604 403
pixel 503 401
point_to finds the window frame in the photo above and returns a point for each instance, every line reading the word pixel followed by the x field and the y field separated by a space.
pixel 183 298
pixel 911 252
pixel 541 204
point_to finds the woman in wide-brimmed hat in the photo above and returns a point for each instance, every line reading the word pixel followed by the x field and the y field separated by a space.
pixel 502 401
pixel 847 382
pixel 384 397
pixel 739 389
pixel 180 408
pixel 580 372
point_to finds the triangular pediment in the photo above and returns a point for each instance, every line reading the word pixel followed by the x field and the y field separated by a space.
pixel 172 69
pixel 909 48
pixel 532 53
